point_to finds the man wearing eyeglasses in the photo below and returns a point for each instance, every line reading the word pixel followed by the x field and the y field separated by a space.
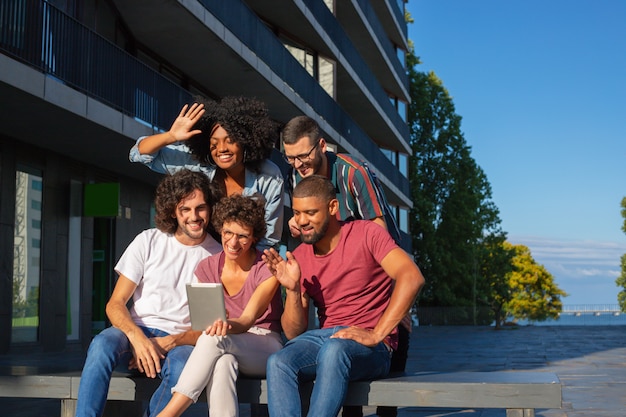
pixel 359 194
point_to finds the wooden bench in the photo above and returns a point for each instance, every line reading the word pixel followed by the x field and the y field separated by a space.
pixel 519 392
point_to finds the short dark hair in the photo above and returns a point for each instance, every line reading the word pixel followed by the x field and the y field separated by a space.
pixel 299 127
pixel 315 186
pixel 246 211
pixel 247 122
pixel 172 190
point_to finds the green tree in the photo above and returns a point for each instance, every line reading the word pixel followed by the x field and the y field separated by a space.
pixel 621 280
pixel 453 221
pixel 534 294
pixel 495 267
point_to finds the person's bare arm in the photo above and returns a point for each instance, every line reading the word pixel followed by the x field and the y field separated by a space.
pixel 167 343
pixel 182 129
pixel 295 319
pixel 408 283
pixel 147 355
pixel 257 305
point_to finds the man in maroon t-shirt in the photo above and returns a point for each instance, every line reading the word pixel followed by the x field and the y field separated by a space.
pixel 348 270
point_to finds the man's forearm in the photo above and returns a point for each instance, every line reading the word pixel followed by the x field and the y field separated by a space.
pixel 294 320
pixel 190 337
pixel 119 316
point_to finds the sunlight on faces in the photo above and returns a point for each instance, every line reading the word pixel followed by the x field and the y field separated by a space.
pixel 192 214
pixel 313 216
pixel 237 239
pixel 226 153
pixel 306 156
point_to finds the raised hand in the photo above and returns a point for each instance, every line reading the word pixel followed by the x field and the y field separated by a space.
pixel 287 272
pixel 186 120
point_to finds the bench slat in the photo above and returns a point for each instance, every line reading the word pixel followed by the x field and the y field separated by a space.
pixel 35 386
pixel 461 390
pixel 502 389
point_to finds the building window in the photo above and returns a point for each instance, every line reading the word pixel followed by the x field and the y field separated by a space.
pixel 74 259
pixel 26 256
pixel 401 54
pixel 321 68
pixel 391 155
pixel 403 219
pixel 403 164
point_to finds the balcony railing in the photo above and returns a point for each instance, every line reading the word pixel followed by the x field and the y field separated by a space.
pixel 40 35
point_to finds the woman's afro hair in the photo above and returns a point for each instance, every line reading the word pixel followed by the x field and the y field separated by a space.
pixel 247 122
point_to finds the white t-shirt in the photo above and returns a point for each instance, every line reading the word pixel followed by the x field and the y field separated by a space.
pixel 161 266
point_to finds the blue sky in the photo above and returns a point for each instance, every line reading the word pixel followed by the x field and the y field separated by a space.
pixel 541 88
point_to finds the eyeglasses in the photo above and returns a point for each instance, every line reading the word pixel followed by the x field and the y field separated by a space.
pixel 303 157
pixel 227 235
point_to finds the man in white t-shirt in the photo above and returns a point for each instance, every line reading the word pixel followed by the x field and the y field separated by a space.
pixel 154 335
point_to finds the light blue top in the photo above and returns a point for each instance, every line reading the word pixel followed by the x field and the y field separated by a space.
pixel 263 181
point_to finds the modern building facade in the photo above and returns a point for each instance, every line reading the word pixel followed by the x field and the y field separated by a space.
pixel 80 80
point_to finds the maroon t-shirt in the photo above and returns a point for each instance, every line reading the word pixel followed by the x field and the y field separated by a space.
pixel 348 286
pixel 210 270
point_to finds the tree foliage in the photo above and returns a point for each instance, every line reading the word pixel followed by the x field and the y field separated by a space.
pixel 534 294
pixel 454 223
pixel 621 280
pixel 495 267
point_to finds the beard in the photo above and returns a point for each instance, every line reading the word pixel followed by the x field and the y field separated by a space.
pixel 316 236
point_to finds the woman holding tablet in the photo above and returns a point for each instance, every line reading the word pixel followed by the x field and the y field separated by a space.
pixel 251 333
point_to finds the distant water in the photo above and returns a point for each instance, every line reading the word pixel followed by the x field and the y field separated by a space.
pixel 600 318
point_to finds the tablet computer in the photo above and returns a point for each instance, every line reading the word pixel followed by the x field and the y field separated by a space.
pixel 206 304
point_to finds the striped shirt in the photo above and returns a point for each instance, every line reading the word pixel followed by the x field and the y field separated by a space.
pixel 359 192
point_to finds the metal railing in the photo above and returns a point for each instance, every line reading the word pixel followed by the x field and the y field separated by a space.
pixel 42 36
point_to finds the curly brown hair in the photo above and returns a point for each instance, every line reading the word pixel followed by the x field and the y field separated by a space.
pixel 172 190
pixel 245 211
pixel 247 122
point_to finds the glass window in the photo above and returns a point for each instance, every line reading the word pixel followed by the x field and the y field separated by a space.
pixel 26 257
pixel 74 257
pixel 331 5
pixel 327 75
pixel 401 54
pixel 403 219
pixel 402 109
pixel 403 164
pixel 303 57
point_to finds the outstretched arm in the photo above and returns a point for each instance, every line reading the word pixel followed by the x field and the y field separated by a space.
pixel 182 129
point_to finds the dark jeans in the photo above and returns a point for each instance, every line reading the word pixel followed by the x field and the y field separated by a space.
pixel 398 364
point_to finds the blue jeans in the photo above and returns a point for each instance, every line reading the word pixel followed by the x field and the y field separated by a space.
pixel 332 363
pixel 111 349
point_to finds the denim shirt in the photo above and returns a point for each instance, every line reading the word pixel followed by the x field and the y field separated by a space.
pixel 264 181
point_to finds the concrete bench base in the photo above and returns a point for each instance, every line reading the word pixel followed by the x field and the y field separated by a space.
pixel 520 393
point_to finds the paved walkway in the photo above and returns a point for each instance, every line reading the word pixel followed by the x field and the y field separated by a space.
pixel 589 360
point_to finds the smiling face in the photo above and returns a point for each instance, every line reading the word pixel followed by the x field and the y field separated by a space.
pixel 226 153
pixel 306 157
pixel 313 216
pixel 237 239
pixel 192 214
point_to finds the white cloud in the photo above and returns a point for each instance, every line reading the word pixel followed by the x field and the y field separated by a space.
pixel 585 269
